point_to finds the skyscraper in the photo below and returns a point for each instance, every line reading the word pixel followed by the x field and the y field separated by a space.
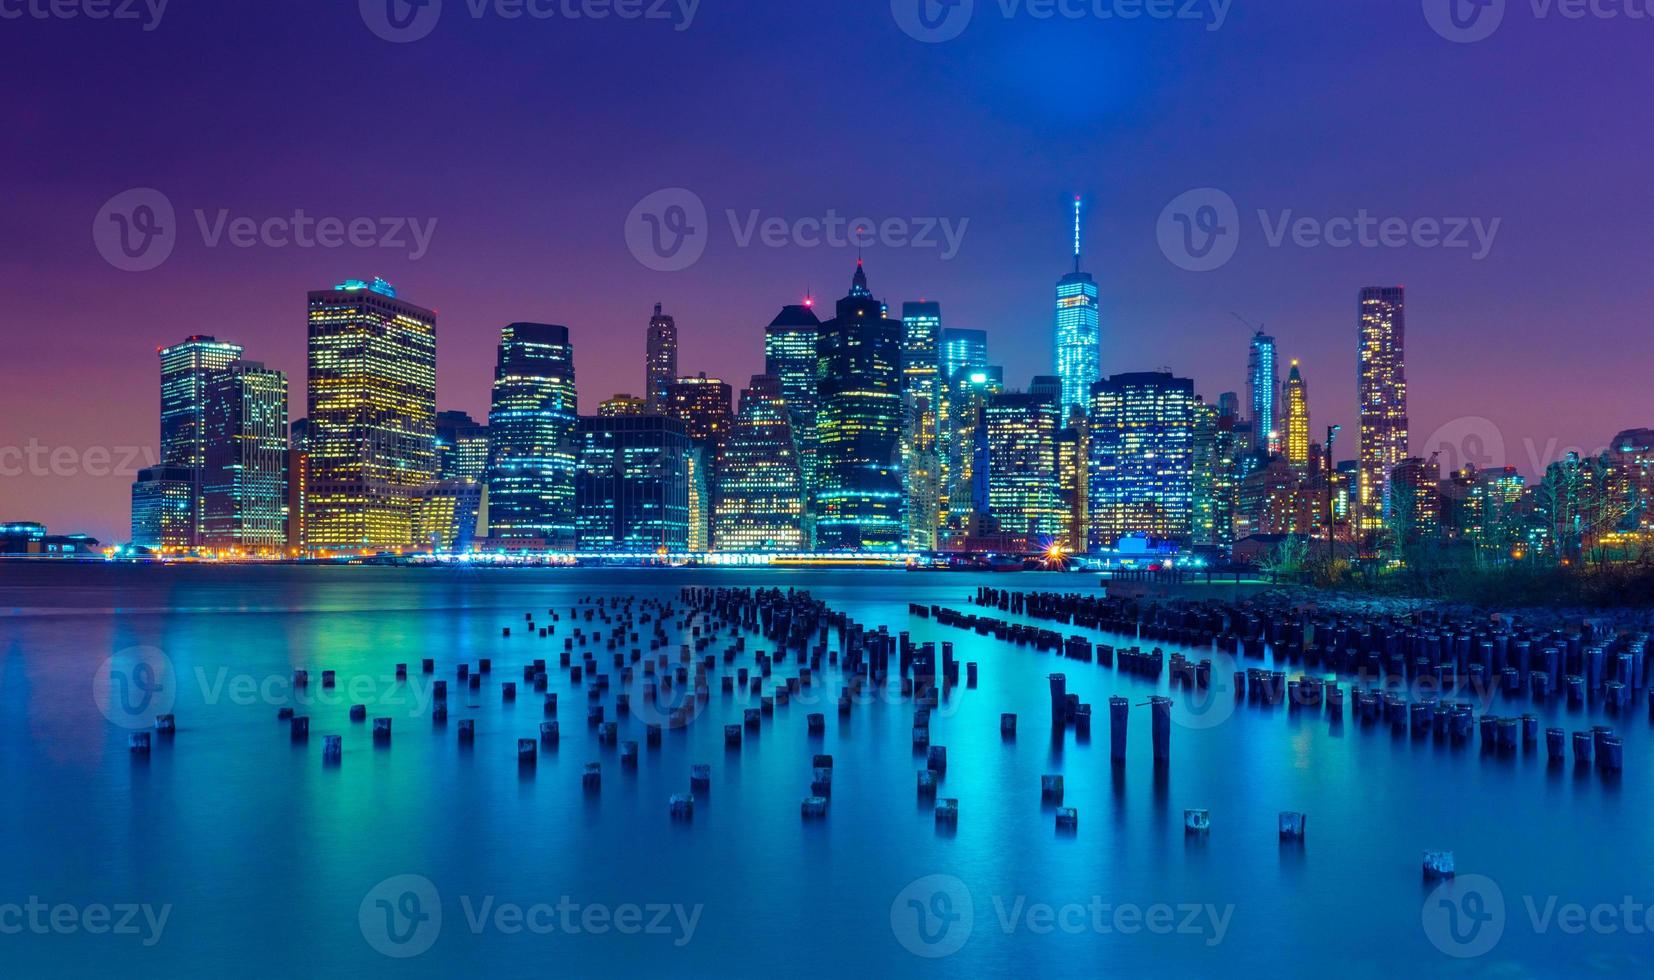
pixel 1078 354
pixel 1295 397
pixel 185 369
pixel 790 357
pixel 163 508
pixel 962 349
pixel 702 405
pixel 921 412
pixel 1142 457
pixel 372 411
pixel 632 487
pixel 964 449
pixel 1382 391
pixel 760 498
pixel 244 480
pixel 858 493
pixel 1263 384
pixel 660 358
pixel 1020 429
pixel 531 428
pixel 921 347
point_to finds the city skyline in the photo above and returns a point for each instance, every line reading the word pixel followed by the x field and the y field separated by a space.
pixel 1274 392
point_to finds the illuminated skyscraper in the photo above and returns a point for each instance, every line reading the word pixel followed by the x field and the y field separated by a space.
pixel 163 508
pixel 921 412
pixel 531 427
pixel 661 357
pixel 1295 396
pixel 760 498
pixel 633 484
pixel 461 447
pixel 1020 429
pixel 1263 384
pixel 702 403
pixel 1142 457
pixel 244 481
pixel 1078 338
pixel 1414 511
pixel 185 369
pixel 1382 390
pixel 858 492
pixel 790 357
pixel 964 450
pixel 962 349
pixel 372 401
pixel 921 347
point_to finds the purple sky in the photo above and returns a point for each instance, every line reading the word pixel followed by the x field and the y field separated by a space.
pixel 529 142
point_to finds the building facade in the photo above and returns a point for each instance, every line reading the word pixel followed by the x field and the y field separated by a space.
pixel 372 412
pixel 859 503
pixel 1382 391
pixel 1295 401
pixel 660 357
pixel 244 481
pixel 760 500
pixel 1142 458
pixel 632 484
pixel 531 433
pixel 1263 385
pixel 185 370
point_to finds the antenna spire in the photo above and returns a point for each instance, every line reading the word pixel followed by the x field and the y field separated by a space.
pixel 1076 233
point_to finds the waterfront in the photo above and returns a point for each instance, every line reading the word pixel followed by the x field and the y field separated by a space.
pixel 265 856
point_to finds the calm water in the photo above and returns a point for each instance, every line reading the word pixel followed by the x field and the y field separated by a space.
pixel 267 863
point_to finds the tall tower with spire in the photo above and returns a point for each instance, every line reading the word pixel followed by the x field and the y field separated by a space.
pixel 660 358
pixel 1078 337
pixel 859 503
pixel 1295 396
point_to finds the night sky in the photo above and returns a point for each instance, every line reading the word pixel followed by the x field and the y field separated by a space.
pixel 529 142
